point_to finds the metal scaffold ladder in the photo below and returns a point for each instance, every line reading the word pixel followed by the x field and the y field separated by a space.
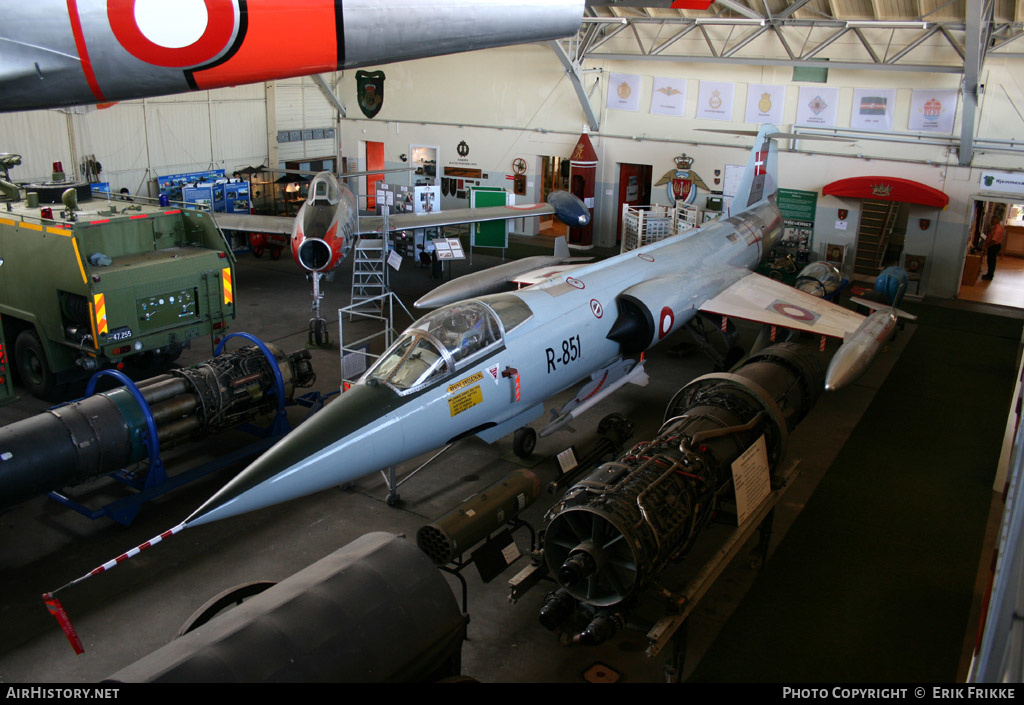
pixel 369 271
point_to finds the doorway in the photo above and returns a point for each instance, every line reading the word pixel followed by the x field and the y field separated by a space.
pixel 880 236
pixel 554 176
pixel 634 190
pixel 1007 287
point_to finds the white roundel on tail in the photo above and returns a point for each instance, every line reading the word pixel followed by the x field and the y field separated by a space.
pixel 171 24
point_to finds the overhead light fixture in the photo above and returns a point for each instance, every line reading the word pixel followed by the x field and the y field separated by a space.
pixel 883 24
pixel 731 21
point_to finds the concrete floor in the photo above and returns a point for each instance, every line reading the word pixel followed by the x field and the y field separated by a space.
pixel 139 606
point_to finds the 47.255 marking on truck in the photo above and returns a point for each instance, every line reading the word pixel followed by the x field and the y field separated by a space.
pixel 569 352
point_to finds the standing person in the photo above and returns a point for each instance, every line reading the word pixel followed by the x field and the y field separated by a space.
pixel 993 244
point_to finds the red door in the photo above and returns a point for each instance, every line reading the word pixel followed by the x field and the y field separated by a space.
pixel 374 160
pixel 634 190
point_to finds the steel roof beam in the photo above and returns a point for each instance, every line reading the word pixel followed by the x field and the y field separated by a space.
pixel 974 59
pixel 740 9
pixel 575 78
pixel 759 61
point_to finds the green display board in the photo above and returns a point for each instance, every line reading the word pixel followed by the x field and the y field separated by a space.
pixel 798 205
pixel 798 209
pixel 493 233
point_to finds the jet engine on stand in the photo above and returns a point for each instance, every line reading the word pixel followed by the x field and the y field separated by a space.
pixel 105 432
pixel 614 532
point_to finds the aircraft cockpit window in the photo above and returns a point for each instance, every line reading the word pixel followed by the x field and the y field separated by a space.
pixel 464 328
pixel 323 192
pixel 412 361
pixel 510 309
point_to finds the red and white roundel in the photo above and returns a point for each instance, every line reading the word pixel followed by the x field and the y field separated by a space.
pixel 668 319
pixel 174 34
pixel 596 308
pixel 574 282
pixel 797 313
pixel 645 257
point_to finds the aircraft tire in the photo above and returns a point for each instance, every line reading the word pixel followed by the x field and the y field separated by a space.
pixel 524 441
pixel 319 331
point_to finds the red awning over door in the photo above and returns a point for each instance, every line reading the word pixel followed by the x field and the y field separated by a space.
pixel 887 188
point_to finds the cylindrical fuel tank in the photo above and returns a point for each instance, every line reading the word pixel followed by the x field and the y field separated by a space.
pixel 375 611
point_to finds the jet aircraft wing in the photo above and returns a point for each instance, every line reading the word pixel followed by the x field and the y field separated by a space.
pixel 759 298
pixel 536 276
pixel 454 216
pixel 244 222
pixel 398 221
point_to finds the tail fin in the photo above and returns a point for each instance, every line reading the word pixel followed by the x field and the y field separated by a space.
pixel 561 247
pixel 761 177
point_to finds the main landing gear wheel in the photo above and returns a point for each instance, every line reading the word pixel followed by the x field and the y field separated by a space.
pixel 524 442
pixel 318 333
pixel 34 370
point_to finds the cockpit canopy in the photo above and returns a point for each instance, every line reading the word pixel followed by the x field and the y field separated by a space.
pixel 324 191
pixel 440 341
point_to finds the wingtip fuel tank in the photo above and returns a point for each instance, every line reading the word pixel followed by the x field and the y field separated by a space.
pixel 860 349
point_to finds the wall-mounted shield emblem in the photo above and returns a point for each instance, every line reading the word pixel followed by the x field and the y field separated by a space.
pixel 843 213
pixel 924 223
pixel 370 91
pixel 681 188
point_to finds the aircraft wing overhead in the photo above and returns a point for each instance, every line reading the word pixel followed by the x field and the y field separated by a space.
pixel 454 216
pixel 255 223
pixel 759 298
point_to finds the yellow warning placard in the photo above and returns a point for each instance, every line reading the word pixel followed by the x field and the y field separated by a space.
pixel 463 383
pixel 465 400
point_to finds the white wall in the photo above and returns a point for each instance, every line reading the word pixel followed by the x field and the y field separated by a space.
pixel 518 102
pixel 137 141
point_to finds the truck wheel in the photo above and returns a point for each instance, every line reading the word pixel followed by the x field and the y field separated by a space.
pixel 257 251
pixel 275 253
pixel 34 370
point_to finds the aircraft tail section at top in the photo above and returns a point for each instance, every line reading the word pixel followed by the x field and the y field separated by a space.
pixel 761 177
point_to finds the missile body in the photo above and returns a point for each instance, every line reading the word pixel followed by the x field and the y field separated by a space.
pixel 855 355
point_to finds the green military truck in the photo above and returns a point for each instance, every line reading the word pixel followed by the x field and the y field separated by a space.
pixel 110 281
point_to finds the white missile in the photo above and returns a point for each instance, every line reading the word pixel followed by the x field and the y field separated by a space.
pixel 861 347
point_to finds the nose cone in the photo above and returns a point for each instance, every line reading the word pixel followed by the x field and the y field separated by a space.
pixel 569 209
pixel 350 437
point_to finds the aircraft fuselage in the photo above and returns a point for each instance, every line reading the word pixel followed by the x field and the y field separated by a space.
pixel 420 395
pixel 55 53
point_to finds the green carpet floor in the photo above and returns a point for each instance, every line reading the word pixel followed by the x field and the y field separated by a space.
pixel 874 581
